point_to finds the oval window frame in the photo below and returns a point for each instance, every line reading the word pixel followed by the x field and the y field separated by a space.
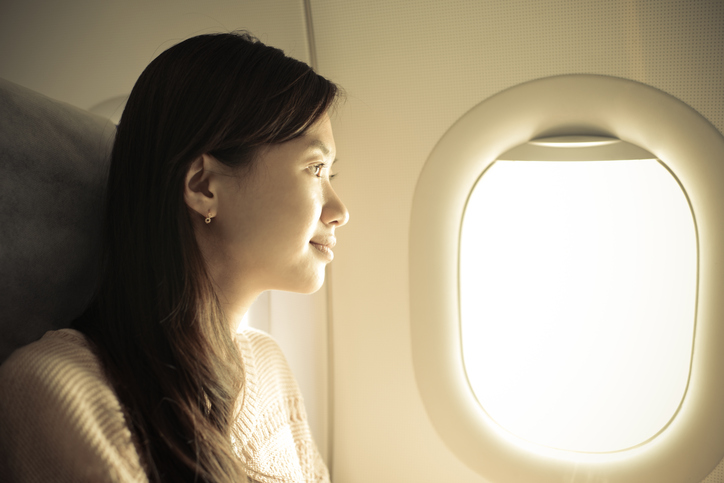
pixel 691 147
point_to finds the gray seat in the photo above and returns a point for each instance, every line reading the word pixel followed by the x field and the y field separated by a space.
pixel 54 162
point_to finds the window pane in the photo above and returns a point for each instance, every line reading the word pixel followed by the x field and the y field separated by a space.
pixel 577 297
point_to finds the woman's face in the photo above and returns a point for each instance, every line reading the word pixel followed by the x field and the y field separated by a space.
pixel 274 227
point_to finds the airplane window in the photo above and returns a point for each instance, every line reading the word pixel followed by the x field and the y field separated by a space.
pixel 578 276
pixel 565 302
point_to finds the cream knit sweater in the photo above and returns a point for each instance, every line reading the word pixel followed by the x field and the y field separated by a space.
pixel 60 420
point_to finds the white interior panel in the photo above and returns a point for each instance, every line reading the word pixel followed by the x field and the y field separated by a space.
pixel 411 69
pixel 298 323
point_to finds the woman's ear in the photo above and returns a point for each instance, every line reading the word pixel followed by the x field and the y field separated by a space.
pixel 200 186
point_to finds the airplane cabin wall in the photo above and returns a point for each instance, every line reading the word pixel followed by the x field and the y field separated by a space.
pixel 85 52
pixel 411 69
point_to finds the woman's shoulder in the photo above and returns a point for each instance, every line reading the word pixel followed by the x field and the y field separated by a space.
pixel 250 339
pixel 264 360
pixel 55 375
pixel 276 436
pixel 53 340
pixel 53 361
pixel 60 415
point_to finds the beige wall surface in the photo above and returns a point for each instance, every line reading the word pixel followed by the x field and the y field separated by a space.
pixel 85 52
pixel 411 69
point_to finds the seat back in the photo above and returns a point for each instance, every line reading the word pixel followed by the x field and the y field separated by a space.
pixel 54 162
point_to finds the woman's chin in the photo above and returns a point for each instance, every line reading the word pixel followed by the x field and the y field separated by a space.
pixel 315 285
pixel 309 284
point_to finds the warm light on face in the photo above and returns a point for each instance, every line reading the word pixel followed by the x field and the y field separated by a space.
pixel 577 299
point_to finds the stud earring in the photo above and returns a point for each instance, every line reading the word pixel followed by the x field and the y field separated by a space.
pixel 208 218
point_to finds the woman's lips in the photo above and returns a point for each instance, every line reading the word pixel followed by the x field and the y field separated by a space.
pixel 325 249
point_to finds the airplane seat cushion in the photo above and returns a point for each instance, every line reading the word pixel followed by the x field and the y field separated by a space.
pixel 53 167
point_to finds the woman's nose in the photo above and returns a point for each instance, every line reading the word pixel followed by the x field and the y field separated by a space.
pixel 334 212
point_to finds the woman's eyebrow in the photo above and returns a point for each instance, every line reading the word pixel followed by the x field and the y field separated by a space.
pixel 319 144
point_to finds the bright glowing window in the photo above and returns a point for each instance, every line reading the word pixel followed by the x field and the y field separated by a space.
pixel 578 294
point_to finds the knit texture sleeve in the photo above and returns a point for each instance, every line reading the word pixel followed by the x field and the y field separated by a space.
pixel 277 445
pixel 59 418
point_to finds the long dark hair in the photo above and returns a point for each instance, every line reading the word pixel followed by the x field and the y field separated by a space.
pixel 155 320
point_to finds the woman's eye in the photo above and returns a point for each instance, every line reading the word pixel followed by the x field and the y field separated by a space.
pixel 322 171
pixel 318 170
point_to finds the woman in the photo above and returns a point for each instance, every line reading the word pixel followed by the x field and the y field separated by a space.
pixel 219 189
